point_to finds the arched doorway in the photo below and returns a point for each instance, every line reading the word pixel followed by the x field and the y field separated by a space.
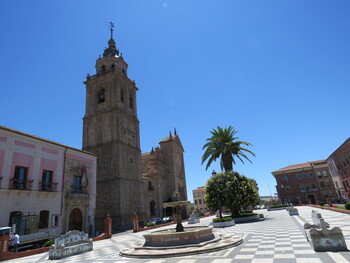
pixel 75 220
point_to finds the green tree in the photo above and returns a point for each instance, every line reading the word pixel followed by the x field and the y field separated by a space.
pixel 215 195
pixel 224 145
pixel 232 190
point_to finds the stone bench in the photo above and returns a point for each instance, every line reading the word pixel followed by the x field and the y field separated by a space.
pixel 322 238
pixel 71 243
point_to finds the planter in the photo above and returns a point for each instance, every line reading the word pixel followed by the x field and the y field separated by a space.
pixel 224 224
pixel 249 218
pixel 276 208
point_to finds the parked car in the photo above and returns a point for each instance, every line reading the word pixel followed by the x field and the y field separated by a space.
pixel 156 221
pixel 168 219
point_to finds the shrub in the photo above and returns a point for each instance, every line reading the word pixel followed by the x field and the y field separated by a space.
pixel 277 206
pixel 347 205
pixel 151 224
pixel 49 243
pixel 321 203
pixel 246 211
pixel 224 219
pixel 247 214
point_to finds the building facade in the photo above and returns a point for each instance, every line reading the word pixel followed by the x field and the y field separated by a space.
pixel 339 163
pixel 52 184
pixel 163 173
pixel 305 183
pixel 198 198
pixel 111 131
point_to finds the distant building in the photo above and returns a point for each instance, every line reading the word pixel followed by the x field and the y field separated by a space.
pixel 53 184
pixel 339 164
pixel 198 198
pixel 306 183
pixel 163 173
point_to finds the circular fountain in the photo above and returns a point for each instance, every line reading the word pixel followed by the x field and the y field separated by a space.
pixel 179 235
pixel 180 241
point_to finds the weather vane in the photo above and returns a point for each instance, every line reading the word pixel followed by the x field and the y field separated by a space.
pixel 111 26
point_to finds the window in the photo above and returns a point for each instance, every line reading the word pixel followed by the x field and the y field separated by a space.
pixel 304 176
pixel 46 181
pixel 44 219
pixel 302 188
pixel 150 186
pixel 194 194
pixel 314 187
pixel 309 175
pixel 20 178
pixel 101 96
pixel 131 101
pixel 77 187
pixel 298 176
pixel 121 95
pixel 322 184
pixel 336 184
pixel 54 221
pixel 103 68
pixel 200 201
pixel 195 202
pixel 324 173
pixel 319 174
pixel 288 188
pixel 199 194
pixel 285 178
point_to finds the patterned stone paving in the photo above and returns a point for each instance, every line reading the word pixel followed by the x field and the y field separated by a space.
pixel 279 238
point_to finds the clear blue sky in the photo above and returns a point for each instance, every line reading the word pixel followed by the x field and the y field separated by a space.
pixel 277 71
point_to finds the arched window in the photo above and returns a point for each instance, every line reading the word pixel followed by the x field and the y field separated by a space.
pixel 152 207
pixel 44 219
pixel 131 101
pixel 121 95
pixel 101 96
pixel 112 67
pixel 103 68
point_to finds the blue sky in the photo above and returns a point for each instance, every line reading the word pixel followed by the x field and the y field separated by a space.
pixel 277 71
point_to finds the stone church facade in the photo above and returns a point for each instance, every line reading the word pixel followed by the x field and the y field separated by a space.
pixel 163 171
pixel 111 131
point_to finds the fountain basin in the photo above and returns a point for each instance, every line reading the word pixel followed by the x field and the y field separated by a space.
pixel 169 237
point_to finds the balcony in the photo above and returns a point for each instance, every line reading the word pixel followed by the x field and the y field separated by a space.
pixel 48 187
pixel 21 184
pixel 82 189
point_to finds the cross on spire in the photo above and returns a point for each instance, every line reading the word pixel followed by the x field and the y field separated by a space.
pixel 111 26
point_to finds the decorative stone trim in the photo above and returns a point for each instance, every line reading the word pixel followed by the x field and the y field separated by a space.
pixel 224 224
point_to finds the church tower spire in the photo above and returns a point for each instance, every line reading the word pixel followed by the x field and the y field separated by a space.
pixel 111 131
pixel 111 51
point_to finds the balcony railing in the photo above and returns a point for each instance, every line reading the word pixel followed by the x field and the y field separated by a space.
pixel 48 187
pixel 21 184
pixel 82 189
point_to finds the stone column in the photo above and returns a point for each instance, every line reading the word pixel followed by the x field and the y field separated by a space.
pixel 4 243
pixel 135 220
pixel 108 226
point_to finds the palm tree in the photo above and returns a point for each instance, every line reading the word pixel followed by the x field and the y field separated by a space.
pixel 223 144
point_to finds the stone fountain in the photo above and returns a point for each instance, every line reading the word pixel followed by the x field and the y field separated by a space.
pixel 179 235
pixel 181 240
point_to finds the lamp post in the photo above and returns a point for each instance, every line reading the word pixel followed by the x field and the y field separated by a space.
pixel 218 203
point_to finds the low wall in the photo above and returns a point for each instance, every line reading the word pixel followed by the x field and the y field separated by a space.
pixel 12 255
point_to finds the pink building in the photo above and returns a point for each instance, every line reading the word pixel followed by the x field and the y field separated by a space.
pixel 50 183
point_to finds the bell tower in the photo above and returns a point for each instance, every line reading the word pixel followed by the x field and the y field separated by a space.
pixel 111 131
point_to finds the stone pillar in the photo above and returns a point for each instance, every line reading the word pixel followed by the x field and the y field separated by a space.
pixel 135 220
pixel 108 226
pixel 4 243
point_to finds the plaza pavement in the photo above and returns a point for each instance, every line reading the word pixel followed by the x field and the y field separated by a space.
pixel 278 238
